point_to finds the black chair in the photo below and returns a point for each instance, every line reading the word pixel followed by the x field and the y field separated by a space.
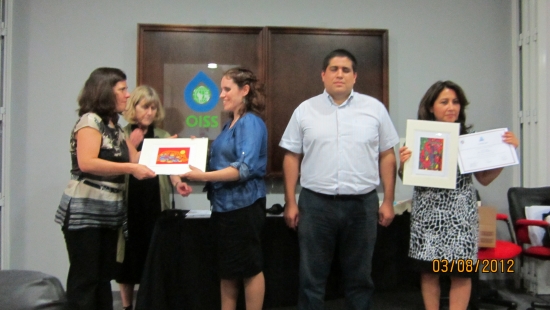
pixel 30 290
pixel 518 199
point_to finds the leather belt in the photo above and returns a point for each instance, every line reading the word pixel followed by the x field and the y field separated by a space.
pixel 102 187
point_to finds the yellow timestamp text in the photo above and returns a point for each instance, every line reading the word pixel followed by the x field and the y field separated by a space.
pixel 470 265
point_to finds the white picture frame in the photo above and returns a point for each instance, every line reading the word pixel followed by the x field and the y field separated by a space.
pixel 172 156
pixel 437 142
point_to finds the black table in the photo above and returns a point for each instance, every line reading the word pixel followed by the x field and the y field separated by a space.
pixel 180 270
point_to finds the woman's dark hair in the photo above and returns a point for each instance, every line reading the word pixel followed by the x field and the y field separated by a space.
pixel 254 100
pixel 97 95
pixel 431 95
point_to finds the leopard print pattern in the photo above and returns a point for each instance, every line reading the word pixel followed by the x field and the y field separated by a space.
pixel 444 222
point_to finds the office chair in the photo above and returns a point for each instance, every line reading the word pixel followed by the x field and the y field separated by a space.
pixel 518 199
pixel 31 290
pixel 503 251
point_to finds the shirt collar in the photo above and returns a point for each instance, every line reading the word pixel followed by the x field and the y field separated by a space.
pixel 343 103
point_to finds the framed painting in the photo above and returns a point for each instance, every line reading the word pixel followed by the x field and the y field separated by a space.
pixel 174 156
pixel 434 147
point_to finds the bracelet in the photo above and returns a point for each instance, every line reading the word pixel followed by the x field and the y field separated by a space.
pixel 176 185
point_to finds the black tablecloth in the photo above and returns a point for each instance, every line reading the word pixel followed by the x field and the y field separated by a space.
pixel 180 270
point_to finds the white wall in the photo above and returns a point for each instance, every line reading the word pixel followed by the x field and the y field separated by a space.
pixel 56 44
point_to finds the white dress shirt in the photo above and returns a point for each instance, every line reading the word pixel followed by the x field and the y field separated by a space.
pixel 341 144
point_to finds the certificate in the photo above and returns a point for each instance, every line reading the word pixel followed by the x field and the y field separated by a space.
pixel 485 150
pixel 433 159
pixel 173 156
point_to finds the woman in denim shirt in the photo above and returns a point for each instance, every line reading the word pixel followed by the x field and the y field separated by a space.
pixel 238 160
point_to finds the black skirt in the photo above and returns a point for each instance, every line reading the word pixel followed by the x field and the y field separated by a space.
pixel 238 234
pixel 143 211
pixel 461 268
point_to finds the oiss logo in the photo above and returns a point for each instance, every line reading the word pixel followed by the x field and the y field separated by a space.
pixel 201 95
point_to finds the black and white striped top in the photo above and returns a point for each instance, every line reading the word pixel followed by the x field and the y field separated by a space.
pixel 92 200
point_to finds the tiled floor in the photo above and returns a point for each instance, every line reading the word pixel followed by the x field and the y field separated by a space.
pixel 412 300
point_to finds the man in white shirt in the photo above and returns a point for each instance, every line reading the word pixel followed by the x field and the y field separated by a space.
pixel 347 141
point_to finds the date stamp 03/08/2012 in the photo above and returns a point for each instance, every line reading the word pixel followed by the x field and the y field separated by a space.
pixel 471 265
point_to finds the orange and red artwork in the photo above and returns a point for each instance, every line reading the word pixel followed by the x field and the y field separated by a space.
pixel 173 155
pixel 431 154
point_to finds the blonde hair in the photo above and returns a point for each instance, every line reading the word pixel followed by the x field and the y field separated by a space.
pixel 150 96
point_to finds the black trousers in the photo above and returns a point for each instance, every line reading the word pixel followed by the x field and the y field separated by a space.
pixel 92 258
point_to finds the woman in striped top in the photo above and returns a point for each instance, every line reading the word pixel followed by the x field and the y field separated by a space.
pixel 91 210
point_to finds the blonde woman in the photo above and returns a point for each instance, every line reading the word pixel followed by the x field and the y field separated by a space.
pixel 146 198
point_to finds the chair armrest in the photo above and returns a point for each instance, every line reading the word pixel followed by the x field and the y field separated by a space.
pixel 502 217
pixel 522 226
pixel 525 222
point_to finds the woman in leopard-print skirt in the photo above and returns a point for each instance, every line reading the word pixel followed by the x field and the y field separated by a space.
pixel 444 222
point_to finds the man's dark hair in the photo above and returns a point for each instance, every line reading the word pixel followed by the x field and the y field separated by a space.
pixel 340 53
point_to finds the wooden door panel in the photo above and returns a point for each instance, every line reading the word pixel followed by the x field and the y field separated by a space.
pixel 287 60
pixel 295 62
pixel 170 57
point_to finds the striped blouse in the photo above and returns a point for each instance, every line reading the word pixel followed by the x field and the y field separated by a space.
pixel 91 200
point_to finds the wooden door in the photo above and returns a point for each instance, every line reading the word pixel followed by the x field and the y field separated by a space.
pixel 288 60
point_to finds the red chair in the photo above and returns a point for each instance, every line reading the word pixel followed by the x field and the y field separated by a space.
pixel 503 251
pixel 532 256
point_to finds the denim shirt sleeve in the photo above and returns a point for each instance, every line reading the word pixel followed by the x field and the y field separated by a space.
pixel 251 147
